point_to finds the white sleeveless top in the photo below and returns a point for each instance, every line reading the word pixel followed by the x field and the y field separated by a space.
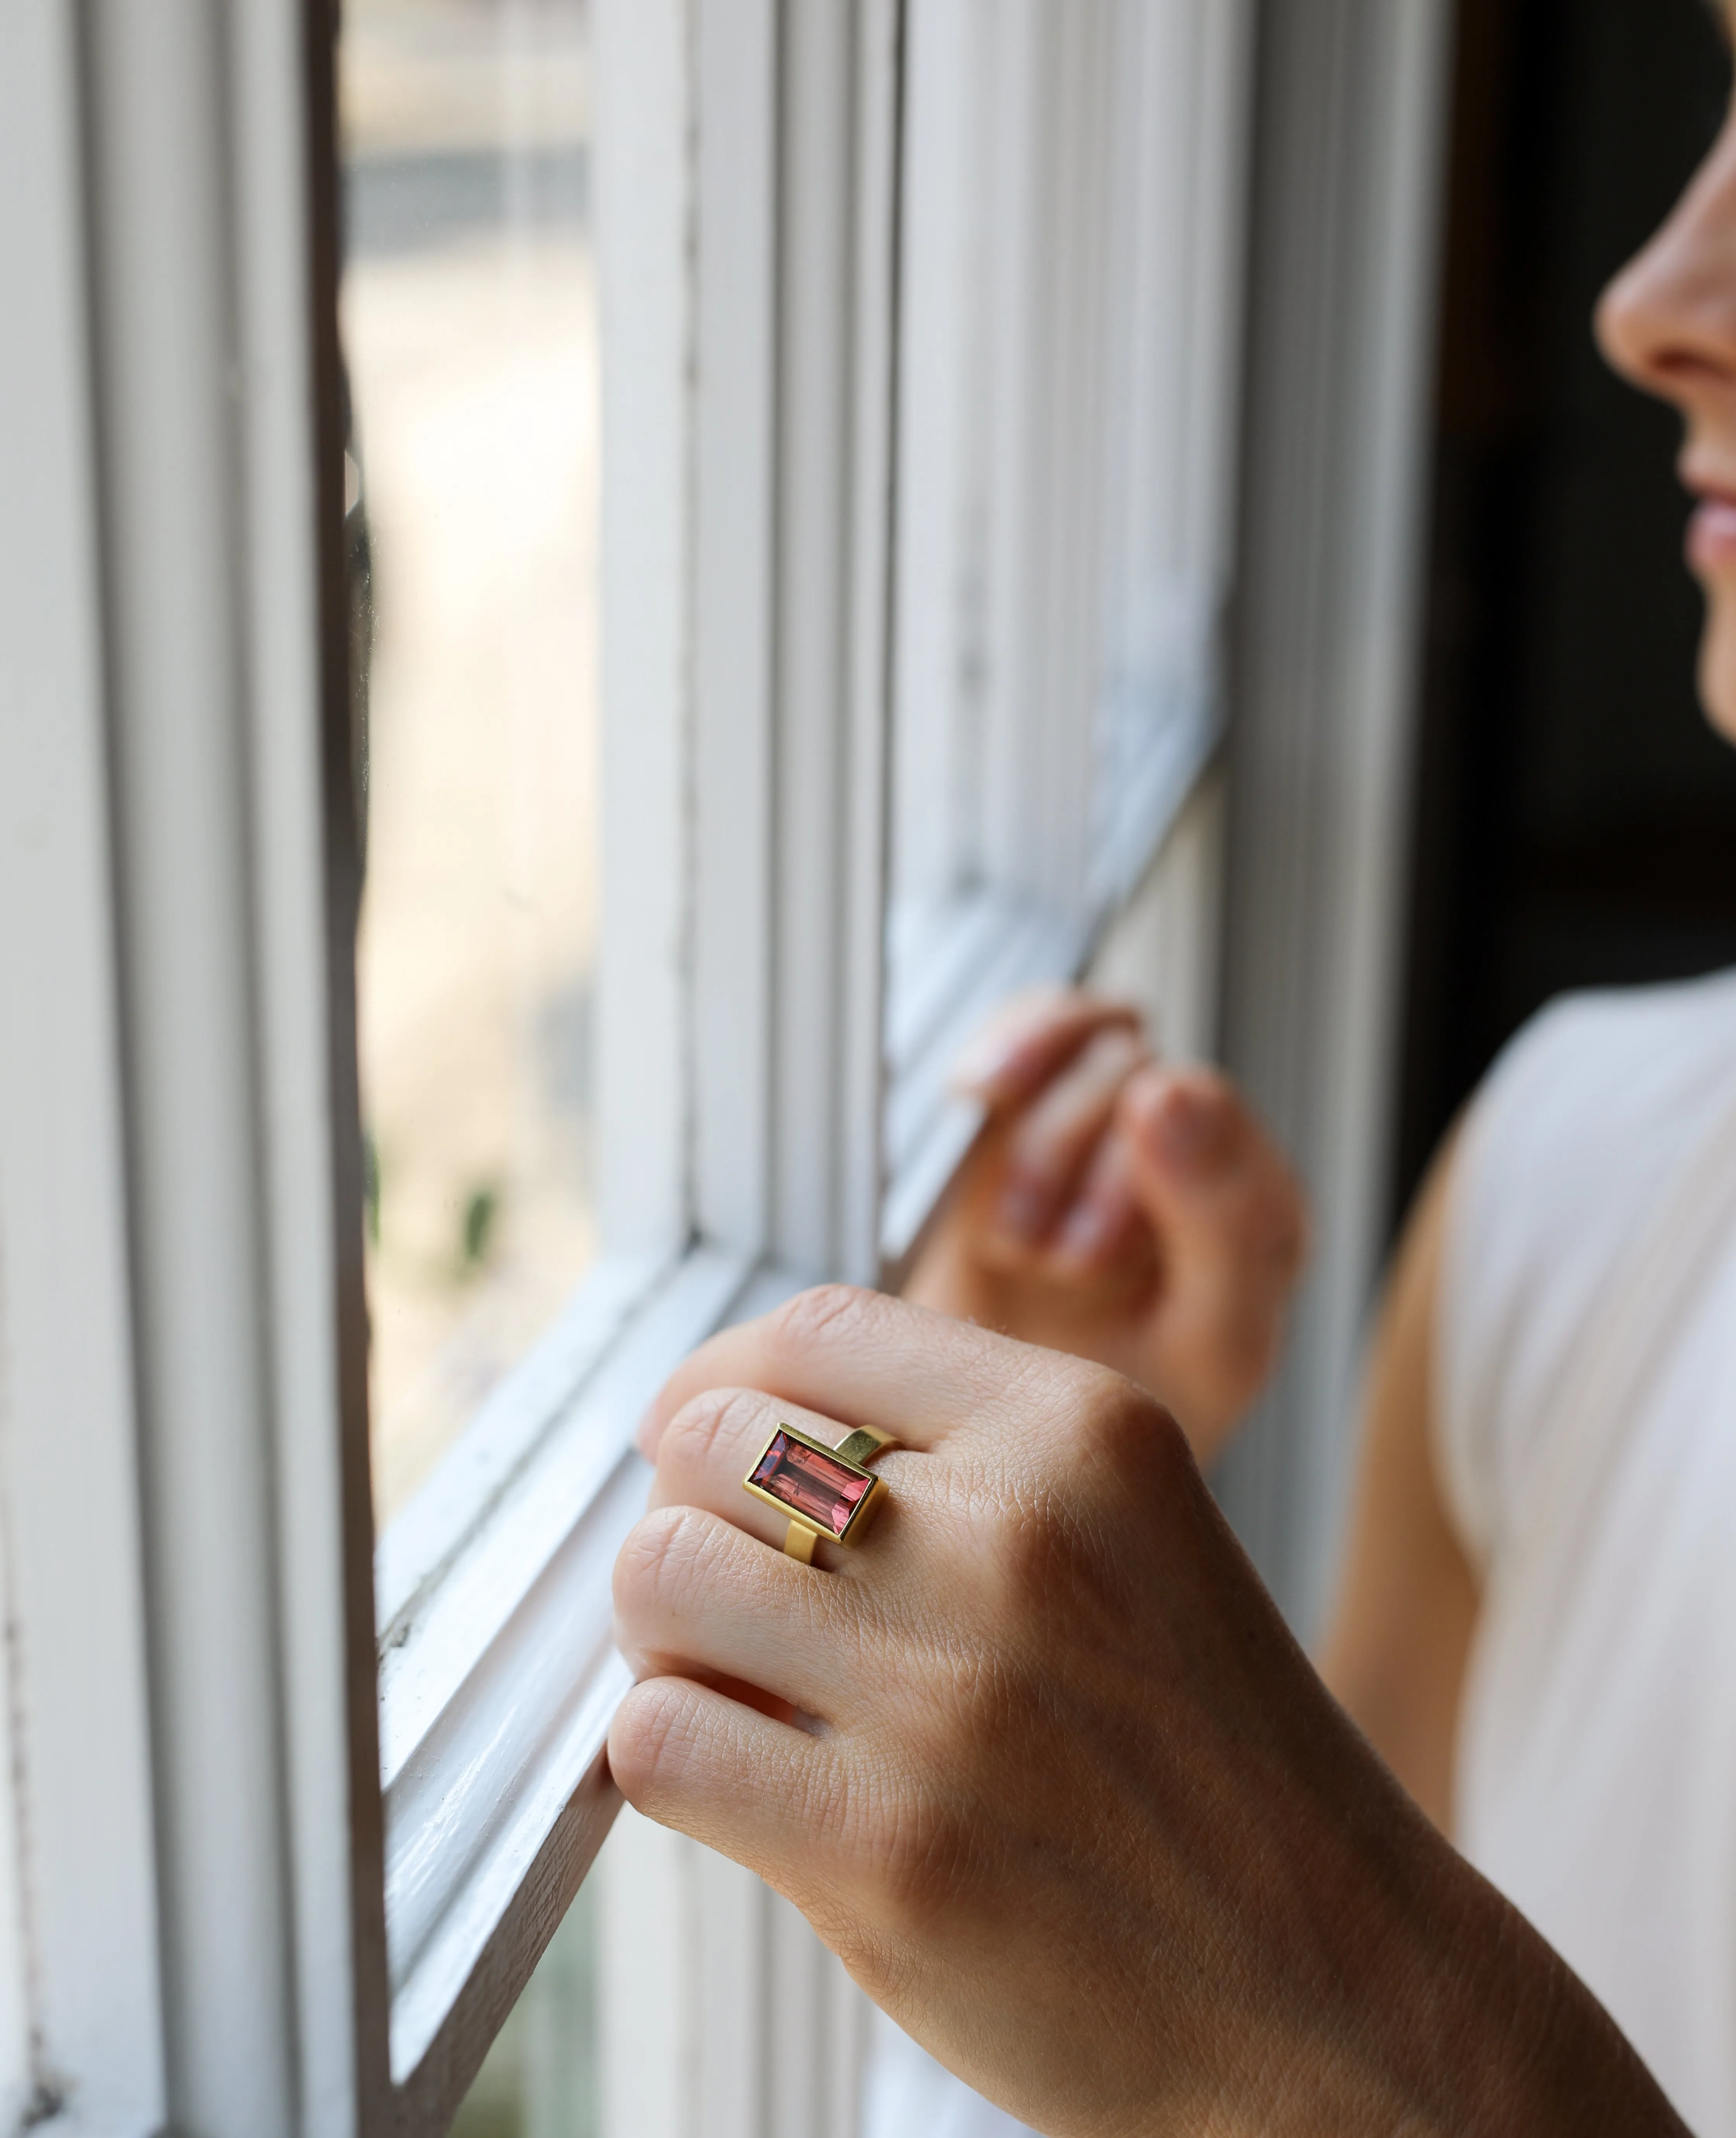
pixel 1586 1410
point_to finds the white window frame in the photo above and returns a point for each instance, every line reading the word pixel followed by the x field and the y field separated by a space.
pixel 282 1865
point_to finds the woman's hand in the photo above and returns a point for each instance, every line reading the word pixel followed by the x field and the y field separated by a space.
pixel 1055 1781
pixel 1120 1209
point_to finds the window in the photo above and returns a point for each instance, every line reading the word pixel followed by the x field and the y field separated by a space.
pixel 787 514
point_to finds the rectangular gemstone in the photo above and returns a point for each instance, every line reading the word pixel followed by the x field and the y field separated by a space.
pixel 821 1487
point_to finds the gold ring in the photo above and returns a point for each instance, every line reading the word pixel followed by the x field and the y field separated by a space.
pixel 827 1492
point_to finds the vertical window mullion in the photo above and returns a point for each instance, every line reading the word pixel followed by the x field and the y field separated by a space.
pixel 163 198
pixel 257 1520
pixel 735 61
pixel 644 211
pixel 1223 162
pixel 940 251
pixel 80 1988
pixel 1015 173
pixel 837 120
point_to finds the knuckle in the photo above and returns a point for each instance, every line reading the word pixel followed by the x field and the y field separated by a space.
pixel 656 1565
pixel 1114 1416
pixel 707 1423
pixel 823 1313
pixel 903 1820
pixel 1129 1446
pixel 650 1741
pixel 1031 1535
pixel 924 1854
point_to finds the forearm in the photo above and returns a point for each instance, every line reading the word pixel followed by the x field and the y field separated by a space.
pixel 1399 1638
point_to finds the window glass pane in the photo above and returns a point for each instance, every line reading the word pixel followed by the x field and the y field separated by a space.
pixel 470 339
pixel 539 2079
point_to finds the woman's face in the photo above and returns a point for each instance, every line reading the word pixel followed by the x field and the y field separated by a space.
pixel 1668 322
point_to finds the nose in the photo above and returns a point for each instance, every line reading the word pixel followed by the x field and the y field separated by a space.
pixel 1667 321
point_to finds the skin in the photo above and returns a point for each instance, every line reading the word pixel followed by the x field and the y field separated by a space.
pixel 1040 1760
pixel 1668 323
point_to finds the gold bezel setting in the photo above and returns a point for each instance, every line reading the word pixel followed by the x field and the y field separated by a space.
pixel 861 1513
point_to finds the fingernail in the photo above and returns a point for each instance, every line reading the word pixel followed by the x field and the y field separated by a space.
pixel 1023 1211
pixel 1086 1232
pixel 1191 1131
pixel 983 1063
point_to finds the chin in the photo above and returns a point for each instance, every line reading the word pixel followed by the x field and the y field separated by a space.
pixel 1718 659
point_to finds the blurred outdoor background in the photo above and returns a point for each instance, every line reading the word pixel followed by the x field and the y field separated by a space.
pixel 469 333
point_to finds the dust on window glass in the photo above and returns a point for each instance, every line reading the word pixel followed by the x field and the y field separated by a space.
pixel 469 333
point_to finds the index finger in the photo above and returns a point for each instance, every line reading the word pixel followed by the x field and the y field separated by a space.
pixel 864 1359
pixel 1030 1038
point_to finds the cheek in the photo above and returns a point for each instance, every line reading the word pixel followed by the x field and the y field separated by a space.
pixel 1718 655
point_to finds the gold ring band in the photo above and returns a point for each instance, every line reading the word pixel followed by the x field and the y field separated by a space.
pixel 827 1492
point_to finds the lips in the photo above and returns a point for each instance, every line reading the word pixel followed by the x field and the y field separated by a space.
pixel 1711 535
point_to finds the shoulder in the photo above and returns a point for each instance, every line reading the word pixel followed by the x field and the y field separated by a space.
pixel 1611 1058
pixel 1587 1103
pixel 1599 1102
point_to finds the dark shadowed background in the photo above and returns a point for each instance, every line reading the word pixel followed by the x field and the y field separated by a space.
pixel 1576 819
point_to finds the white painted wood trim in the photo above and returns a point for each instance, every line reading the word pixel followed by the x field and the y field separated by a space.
pixel 643 232
pixel 860 947
pixel 838 118
pixel 80 2018
pixel 733 555
pixel 174 498
pixel 321 1517
pixel 196 132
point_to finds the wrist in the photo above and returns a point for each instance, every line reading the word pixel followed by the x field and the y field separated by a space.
pixel 1460 2019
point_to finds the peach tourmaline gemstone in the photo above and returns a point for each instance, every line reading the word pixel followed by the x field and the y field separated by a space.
pixel 821 1487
